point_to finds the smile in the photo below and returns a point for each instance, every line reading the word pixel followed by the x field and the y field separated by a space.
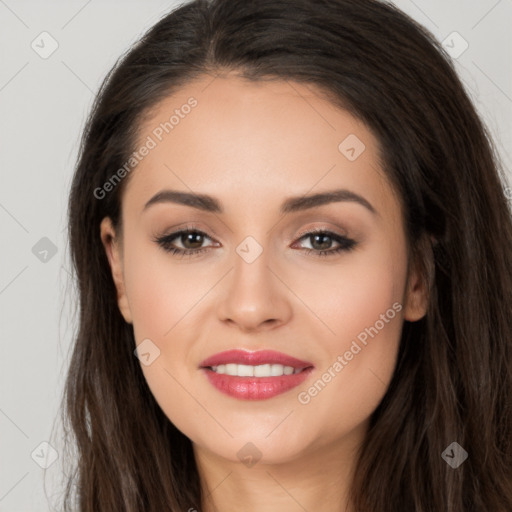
pixel 262 370
pixel 254 375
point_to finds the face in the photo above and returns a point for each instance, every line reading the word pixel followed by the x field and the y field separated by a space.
pixel 322 281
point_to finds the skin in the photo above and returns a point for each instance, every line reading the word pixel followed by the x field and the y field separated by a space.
pixel 251 146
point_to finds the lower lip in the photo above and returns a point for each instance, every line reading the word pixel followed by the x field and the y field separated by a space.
pixel 255 388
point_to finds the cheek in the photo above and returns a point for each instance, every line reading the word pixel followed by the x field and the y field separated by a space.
pixel 167 299
pixel 366 315
pixel 352 296
pixel 164 299
pixel 161 292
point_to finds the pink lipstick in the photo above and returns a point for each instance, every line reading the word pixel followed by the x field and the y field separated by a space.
pixel 255 375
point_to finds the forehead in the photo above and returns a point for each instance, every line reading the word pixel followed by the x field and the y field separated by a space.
pixel 230 137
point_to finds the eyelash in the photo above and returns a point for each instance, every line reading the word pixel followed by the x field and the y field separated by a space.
pixel 346 244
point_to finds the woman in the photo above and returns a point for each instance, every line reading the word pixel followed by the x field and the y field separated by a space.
pixel 221 363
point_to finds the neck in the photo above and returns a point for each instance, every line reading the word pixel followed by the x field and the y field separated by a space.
pixel 318 479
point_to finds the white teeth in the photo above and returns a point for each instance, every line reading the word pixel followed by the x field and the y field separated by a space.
pixel 243 370
pixel 288 370
pixel 276 370
pixel 231 369
pixel 262 370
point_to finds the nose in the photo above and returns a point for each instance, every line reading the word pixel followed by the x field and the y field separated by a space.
pixel 254 296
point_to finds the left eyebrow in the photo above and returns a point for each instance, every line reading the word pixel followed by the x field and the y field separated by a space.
pixel 295 204
pixel 292 204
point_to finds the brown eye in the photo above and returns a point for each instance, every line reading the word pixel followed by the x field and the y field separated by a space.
pixel 321 241
pixel 191 240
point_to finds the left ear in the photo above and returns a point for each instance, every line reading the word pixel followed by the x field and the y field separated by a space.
pixel 419 282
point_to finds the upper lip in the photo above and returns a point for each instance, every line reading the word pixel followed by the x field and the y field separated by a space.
pixel 254 358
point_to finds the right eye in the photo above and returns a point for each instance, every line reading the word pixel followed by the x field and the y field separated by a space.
pixel 186 236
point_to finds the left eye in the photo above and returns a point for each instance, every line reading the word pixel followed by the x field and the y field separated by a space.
pixel 192 241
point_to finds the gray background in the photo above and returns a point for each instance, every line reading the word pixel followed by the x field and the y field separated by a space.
pixel 43 105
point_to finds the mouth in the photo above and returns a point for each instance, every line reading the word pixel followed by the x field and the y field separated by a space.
pixel 255 375
pixel 262 370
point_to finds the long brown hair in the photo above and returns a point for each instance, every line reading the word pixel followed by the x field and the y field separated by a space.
pixel 453 379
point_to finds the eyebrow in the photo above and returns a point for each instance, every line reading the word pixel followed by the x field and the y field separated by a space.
pixel 292 204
